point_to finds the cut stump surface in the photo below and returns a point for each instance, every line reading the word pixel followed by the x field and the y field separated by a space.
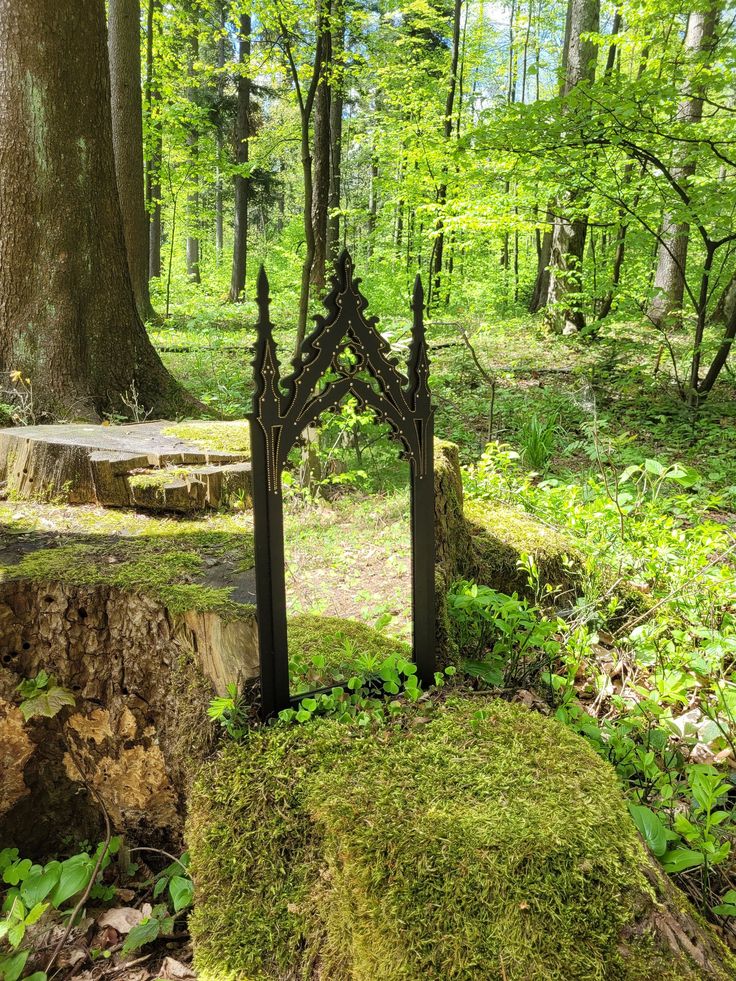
pixel 158 466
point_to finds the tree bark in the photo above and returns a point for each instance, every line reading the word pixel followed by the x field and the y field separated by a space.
pixel 725 309
pixel 569 231
pixel 669 278
pixel 321 159
pixel 124 45
pixel 192 248
pixel 67 316
pixel 242 151
pixel 336 110
pixel 155 151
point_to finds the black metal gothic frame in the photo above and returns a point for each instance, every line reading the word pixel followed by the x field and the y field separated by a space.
pixel 344 355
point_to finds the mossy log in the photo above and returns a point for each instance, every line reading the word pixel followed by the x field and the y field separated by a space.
pixel 477 839
pixel 154 465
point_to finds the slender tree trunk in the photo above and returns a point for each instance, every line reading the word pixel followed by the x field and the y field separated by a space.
pixel 336 111
pixel 372 205
pixel 321 159
pixel 242 152
pixel 155 150
pixel 437 258
pixel 544 251
pixel 540 293
pixel 219 219
pixel 306 105
pixel 67 315
pixel 124 44
pixel 193 249
pixel 669 278
pixel 570 226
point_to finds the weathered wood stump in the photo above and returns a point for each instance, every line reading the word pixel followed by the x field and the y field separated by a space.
pixel 159 466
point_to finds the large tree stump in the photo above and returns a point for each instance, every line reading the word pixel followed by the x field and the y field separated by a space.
pixel 142 678
pixel 157 466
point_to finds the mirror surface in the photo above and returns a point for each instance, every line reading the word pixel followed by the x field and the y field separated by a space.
pixel 347 549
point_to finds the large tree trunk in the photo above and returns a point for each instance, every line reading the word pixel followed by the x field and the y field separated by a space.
pixel 242 183
pixel 155 150
pixel 669 278
pixel 67 316
pixel 124 45
pixel 567 246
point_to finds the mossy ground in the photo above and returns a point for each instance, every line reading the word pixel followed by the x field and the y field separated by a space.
pixel 461 845
pixel 224 437
pixel 168 559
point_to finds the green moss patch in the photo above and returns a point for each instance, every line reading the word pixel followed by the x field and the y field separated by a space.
pixel 224 437
pixel 502 535
pixel 158 478
pixel 167 559
pixel 479 840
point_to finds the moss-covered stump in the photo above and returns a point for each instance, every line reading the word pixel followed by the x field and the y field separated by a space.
pixel 338 644
pixel 458 846
pixel 453 544
pixel 502 535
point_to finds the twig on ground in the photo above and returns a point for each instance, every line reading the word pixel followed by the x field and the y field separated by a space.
pixel 98 864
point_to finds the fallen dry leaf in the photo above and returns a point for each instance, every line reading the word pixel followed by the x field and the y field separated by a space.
pixel 174 970
pixel 121 918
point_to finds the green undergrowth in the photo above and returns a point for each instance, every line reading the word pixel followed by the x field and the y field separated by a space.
pixel 324 650
pixel 473 839
pixel 224 437
pixel 165 558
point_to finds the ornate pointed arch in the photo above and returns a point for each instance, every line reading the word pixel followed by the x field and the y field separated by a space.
pixel 345 355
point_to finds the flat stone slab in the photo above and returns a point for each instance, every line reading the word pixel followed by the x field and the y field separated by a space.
pixel 159 465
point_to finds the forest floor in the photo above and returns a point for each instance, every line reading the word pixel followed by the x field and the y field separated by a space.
pixel 589 437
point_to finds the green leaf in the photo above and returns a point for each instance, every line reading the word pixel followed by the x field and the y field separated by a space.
pixel 37 976
pixel 7 857
pixel 74 876
pixel 36 913
pixel 47 704
pixel 17 872
pixel 681 859
pixel 145 933
pixel 11 967
pixel 727 906
pixel 181 889
pixel 650 827
pixel 37 887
